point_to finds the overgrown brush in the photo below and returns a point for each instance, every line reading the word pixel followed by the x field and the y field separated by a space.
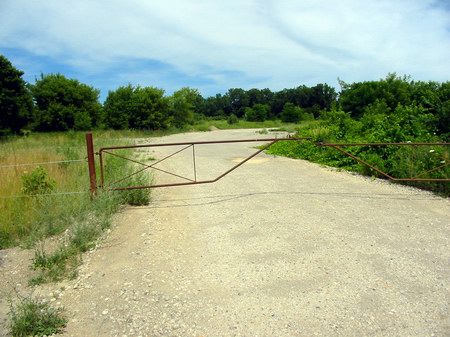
pixel 406 124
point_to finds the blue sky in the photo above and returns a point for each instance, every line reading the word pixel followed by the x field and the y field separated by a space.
pixel 213 45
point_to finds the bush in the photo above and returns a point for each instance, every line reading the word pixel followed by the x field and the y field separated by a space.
pixel 258 113
pixel 291 113
pixel 232 119
pixel 37 182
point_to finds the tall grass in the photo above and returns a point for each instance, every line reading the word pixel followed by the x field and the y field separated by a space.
pixel 24 219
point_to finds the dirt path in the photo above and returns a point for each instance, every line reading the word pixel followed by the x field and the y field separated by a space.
pixel 279 248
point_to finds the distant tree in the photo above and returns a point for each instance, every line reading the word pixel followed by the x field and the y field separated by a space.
pixel 238 100
pixel 291 113
pixel 217 106
pixel 258 113
pixel 137 108
pixel 15 99
pixel 183 104
pixel 65 104
pixel 150 109
pixel 443 119
pixel 393 90
pixel 323 96
pixel 118 107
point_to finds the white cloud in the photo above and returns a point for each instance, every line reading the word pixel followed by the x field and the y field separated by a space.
pixel 270 43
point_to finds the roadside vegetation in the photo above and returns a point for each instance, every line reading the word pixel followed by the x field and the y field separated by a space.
pixel 34 317
pixel 390 110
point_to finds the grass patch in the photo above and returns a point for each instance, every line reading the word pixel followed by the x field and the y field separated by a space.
pixel 32 317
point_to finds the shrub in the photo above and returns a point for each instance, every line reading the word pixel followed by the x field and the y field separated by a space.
pixel 258 113
pixel 37 182
pixel 232 119
pixel 291 113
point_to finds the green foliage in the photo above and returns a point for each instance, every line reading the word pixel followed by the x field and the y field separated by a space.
pixel 393 90
pixel 294 114
pixel 62 263
pixel 183 104
pixel 37 182
pixel 144 108
pixel 41 211
pixel 15 99
pixel 136 197
pixel 232 119
pixel 151 109
pixel 291 113
pixel 33 317
pixel 258 113
pixel 119 108
pixel 378 122
pixel 65 104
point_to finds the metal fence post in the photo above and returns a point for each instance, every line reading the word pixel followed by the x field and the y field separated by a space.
pixel 91 164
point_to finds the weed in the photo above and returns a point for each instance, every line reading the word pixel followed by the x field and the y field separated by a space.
pixel 54 267
pixel 137 197
pixel 33 317
pixel 37 182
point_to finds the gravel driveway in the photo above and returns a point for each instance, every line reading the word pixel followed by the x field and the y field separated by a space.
pixel 280 247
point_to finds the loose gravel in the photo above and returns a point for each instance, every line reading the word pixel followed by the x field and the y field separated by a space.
pixel 280 247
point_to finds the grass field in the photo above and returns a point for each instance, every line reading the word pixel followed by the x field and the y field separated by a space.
pixel 27 216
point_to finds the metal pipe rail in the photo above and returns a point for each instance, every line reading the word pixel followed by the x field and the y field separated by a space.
pixel 187 145
pixel 271 141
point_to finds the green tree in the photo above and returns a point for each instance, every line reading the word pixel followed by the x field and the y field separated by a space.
pixel 15 99
pixel 394 90
pixel 258 113
pixel 65 104
pixel 118 107
pixel 183 104
pixel 291 113
pixel 150 109
pixel 238 100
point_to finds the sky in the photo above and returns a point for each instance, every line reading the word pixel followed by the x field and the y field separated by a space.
pixel 214 45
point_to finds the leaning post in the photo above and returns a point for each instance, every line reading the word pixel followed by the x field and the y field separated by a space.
pixel 91 164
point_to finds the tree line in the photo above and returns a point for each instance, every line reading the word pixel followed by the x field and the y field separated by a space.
pixel 56 103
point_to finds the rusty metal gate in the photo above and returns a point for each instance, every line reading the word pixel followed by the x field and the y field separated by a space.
pixel 191 147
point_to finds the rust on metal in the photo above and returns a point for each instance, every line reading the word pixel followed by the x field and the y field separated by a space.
pixel 187 145
pixel 269 142
pixel 417 178
pixel 91 163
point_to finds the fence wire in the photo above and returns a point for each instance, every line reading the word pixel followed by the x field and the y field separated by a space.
pixel 16 196
pixel 45 163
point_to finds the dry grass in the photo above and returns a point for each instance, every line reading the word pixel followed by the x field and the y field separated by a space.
pixel 26 218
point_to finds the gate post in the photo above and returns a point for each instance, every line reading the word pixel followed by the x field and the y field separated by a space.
pixel 91 164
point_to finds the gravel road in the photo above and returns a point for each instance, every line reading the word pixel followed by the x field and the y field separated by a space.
pixel 280 247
